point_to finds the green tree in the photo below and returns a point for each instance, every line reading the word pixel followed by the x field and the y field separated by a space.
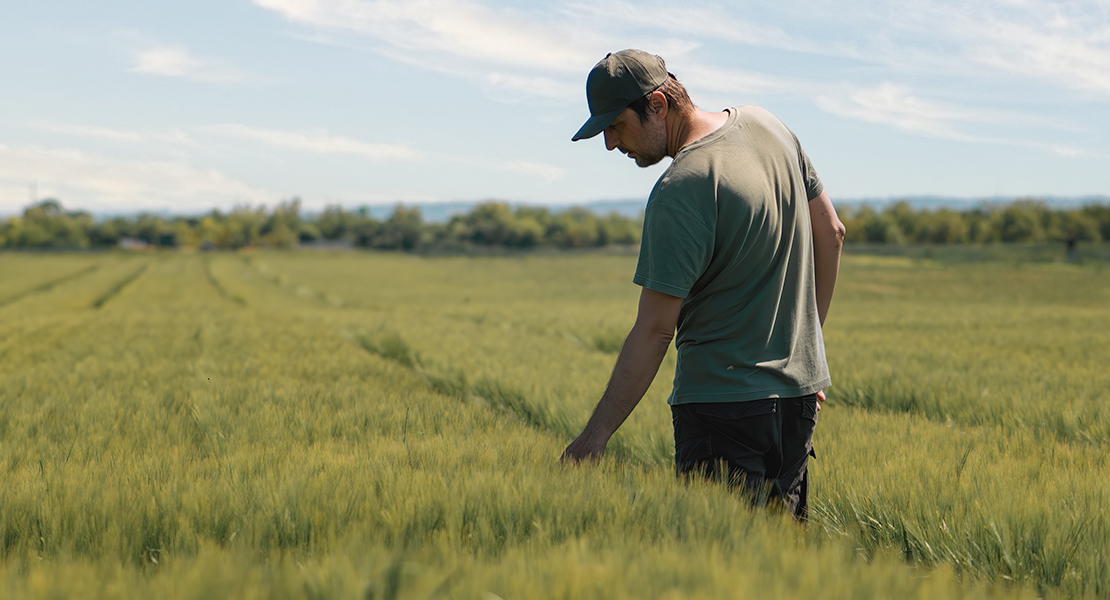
pixel 615 228
pixel 981 225
pixel 1100 214
pixel 1076 225
pixel 883 229
pixel 402 231
pixel 574 228
pixel 46 225
pixel 153 229
pixel 904 217
pixel 1020 222
pixel 490 224
pixel 241 227
pixel 854 220
pixel 365 228
pixel 281 228
pixel 942 227
pixel 335 223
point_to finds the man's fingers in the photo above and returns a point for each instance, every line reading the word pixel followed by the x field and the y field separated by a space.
pixel 576 459
pixel 575 454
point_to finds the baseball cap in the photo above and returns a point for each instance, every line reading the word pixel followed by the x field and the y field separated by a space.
pixel 616 81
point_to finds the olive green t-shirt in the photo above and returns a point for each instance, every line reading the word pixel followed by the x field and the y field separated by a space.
pixel 727 229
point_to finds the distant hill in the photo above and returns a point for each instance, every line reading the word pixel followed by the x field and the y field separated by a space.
pixel 441 212
pixel 935 202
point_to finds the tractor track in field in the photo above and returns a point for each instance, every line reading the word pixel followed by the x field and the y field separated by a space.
pixel 455 383
pixel 219 287
pixel 394 348
pixel 285 283
pixel 449 382
pixel 47 286
pixel 117 288
pixel 493 393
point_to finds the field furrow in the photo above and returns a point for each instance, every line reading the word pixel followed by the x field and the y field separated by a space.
pixel 47 286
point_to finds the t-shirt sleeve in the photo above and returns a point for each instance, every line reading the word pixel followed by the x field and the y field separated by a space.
pixel 814 187
pixel 675 249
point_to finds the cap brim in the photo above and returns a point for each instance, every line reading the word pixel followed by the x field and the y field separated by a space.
pixel 595 124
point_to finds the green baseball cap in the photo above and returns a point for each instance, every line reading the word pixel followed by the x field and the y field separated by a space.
pixel 617 81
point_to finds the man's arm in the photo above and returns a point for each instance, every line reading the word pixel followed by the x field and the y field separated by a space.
pixel 828 237
pixel 637 364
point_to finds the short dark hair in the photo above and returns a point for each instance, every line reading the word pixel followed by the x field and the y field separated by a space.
pixel 673 91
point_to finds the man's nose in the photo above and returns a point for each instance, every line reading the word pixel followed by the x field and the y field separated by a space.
pixel 611 139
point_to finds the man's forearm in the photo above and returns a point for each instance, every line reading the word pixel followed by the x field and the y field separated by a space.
pixel 828 238
pixel 826 265
pixel 637 364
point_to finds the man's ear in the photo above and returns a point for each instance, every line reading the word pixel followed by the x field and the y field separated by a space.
pixel 657 104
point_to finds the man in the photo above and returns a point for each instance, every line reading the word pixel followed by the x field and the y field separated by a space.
pixel 740 252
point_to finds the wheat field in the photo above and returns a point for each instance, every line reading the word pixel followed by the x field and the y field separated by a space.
pixel 375 425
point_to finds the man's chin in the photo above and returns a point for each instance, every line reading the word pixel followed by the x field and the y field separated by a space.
pixel 646 161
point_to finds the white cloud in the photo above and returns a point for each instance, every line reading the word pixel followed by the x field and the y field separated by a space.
pixel 325 143
pixel 92 131
pixel 173 62
pixel 1065 41
pixel 557 45
pixel 96 182
pixel 548 173
pixel 543 171
pixel 896 105
pixel 1067 151
pixel 1071 54
pixel 177 61
pixel 512 88
pixel 1071 151
pixel 1061 41
pixel 126 136
pixel 699 22
pixel 734 82
pixel 316 142
pixel 447 28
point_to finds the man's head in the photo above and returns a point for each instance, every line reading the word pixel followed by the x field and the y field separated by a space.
pixel 616 81
pixel 630 94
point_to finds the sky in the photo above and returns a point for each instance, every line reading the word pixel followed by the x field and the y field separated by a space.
pixel 118 106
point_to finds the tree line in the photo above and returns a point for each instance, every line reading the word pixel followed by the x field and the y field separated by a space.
pixel 1026 220
pixel 47 225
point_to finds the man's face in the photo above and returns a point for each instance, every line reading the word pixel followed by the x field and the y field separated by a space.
pixel 644 142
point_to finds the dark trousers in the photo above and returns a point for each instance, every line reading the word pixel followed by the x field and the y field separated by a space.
pixel 762 445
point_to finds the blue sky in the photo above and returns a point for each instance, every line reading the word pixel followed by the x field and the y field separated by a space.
pixel 120 105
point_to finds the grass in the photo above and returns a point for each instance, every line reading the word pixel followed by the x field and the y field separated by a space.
pixel 349 425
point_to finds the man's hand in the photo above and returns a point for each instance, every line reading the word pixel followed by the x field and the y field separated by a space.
pixel 584 447
pixel 820 398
